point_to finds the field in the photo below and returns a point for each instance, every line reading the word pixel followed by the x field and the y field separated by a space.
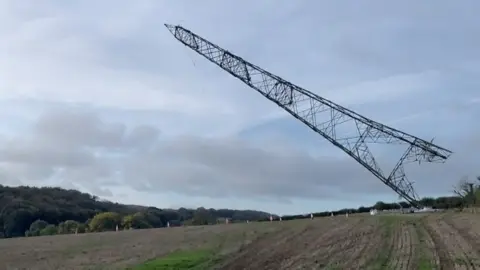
pixel 433 241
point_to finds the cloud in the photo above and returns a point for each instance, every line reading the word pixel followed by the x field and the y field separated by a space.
pixel 127 105
pixel 79 148
pixel 121 56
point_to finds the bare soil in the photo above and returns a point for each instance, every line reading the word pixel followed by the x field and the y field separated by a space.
pixel 436 241
pixel 456 240
pixel 403 245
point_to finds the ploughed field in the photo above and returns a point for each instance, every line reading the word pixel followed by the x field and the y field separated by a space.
pixel 433 241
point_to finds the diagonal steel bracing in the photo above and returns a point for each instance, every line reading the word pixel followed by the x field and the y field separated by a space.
pixel 324 116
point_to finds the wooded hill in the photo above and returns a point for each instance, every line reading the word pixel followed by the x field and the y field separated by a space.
pixel 32 211
pixel 22 206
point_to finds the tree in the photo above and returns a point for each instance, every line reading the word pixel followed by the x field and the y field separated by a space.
pixel 17 221
pixel 36 227
pixel 49 230
pixel 202 217
pixel 107 221
pixel 380 206
pixel 169 215
pixel 68 227
pixel 21 206
pixel 468 191
pixel 477 192
pixel 154 217
pixel 82 228
pixel 135 221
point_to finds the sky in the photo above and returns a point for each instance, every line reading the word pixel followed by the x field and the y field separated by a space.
pixel 99 96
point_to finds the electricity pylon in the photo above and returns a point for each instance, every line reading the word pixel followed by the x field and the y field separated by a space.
pixel 310 108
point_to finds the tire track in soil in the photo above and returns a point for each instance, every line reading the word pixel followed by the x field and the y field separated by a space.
pixel 320 251
pixel 467 226
pixel 254 253
pixel 381 253
pixel 299 255
pixel 454 250
pixel 288 250
pixel 401 255
pixel 359 244
pixel 426 242
pixel 445 262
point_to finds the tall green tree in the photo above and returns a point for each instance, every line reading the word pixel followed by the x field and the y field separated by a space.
pixel 135 221
pixel 36 227
pixel 203 217
pixel 68 227
pixel 107 221
pixel 49 230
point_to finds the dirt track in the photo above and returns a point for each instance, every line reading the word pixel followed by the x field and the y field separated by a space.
pixel 440 241
pixel 336 241
pixel 457 242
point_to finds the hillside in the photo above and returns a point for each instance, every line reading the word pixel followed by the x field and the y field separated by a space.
pixel 35 211
pixel 21 206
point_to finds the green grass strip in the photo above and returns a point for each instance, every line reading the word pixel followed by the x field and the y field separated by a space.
pixel 424 258
pixel 388 224
pixel 191 259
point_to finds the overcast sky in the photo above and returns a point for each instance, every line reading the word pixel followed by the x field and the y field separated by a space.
pixel 99 96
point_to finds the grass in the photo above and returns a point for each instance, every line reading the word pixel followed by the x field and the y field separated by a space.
pixel 191 259
pixel 388 223
pixel 215 246
pixel 423 256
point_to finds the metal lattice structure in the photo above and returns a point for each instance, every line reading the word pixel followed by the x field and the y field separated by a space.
pixel 309 108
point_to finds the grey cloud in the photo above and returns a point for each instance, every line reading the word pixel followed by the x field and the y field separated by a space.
pixel 73 145
pixel 452 128
pixel 84 129
pixel 185 165
pixel 331 45
pixel 376 41
pixel 189 165
pixel 80 128
pixel 34 152
pixel 235 168
pixel 363 52
pixel 143 136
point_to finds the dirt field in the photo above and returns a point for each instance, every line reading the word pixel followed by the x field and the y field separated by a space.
pixel 436 241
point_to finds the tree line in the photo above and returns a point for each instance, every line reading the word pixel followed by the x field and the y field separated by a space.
pixel 466 194
pixel 32 211
pixel 447 202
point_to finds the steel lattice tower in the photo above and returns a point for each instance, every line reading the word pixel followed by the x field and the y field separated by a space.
pixel 308 107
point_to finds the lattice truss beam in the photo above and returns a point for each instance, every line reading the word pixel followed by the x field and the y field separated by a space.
pixel 324 116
